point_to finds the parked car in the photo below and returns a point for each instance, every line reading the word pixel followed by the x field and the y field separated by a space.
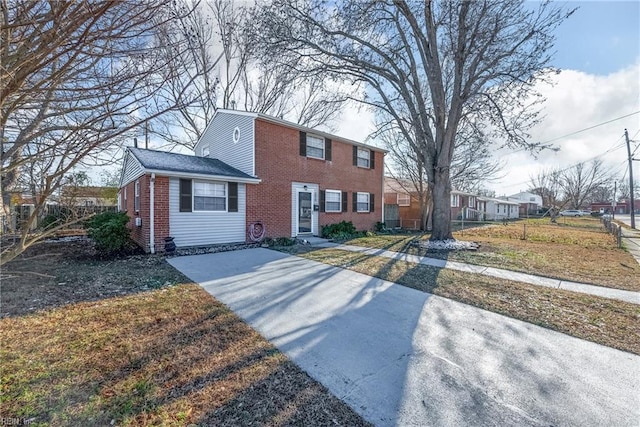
pixel 572 212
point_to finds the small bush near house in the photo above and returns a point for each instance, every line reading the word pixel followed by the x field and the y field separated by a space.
pixel 339 230
pixel 109 231
pixel 50 221
pixel 279 241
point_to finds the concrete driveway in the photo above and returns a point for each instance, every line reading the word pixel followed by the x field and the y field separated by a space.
pixel 401 357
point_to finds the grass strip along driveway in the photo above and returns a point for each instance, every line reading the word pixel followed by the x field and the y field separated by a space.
pixel 575 249
pixel 604 321
pixel 163 354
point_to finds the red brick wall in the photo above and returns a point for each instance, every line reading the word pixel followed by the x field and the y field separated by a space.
pixel 279 163
pixel 141 235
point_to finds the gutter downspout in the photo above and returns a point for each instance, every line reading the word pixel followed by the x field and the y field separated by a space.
pixel 152 234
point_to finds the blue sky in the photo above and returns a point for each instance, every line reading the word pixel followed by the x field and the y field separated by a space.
pixel 600 37
pixel 598 49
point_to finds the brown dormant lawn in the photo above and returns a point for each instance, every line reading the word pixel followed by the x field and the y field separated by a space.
pixel 576 249
pixel 164 352
pixel 605 321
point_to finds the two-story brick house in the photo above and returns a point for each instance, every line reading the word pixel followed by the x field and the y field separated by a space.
pixel 249 169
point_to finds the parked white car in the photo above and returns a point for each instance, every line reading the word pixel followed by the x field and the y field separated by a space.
pixel 572 212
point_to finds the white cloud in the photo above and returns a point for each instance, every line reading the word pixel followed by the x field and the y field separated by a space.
pixel 577 101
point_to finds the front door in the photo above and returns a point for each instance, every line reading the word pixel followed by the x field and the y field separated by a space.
pixel 304 212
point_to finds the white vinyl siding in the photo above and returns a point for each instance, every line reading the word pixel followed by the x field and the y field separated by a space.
pixel 132 169
pixel 201 228
pixel 363 157
pixel 315 147
pixel 333 201
pixel 363 202
pixel 219 138
pixel 209 196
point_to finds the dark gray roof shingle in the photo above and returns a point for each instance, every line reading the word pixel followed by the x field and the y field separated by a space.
pixel 174 162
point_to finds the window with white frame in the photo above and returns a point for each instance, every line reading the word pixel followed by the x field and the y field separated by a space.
pixel 363 202
pixel 209 196
pixel 333 201
pixel 404 199
pixel 472 201
pixel 136 197
pixel 205 151
pixel 364 157
pixel 455 200
pixel 315 147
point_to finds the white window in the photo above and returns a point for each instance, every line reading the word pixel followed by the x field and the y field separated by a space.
pixel 363 202
pixel 205 151
pixel 532 199
pixel 209 196
pixel 455 200
pixel 315 147
pixel 363 157
pixel 472 202
pixel 333 201
pixel 404 199
pixel 136 197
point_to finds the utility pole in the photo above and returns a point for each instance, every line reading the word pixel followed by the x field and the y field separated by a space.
pixel 633 203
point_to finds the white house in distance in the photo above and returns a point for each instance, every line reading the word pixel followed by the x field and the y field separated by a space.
pixel 498 209
pixel 529 202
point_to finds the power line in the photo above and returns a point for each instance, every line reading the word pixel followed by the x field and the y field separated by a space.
pixel 611 149
pixel 591 127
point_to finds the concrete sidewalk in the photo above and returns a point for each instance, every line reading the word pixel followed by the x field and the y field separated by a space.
pixel 629 296
pixel 401 357
pixel 631 240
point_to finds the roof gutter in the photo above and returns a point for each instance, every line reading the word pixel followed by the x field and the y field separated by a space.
pixel 204 176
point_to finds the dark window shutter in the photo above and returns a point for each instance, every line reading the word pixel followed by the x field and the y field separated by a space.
pixel 327 149
pixel 345 202
pixel 185 195
pixel 303 143
pixel 372 159
pixel 372 202
pixel 322 200
pixel 233 197
pixel 355 156
pixel 355 202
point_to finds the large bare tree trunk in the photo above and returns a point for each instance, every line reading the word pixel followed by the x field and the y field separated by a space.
pixel 441 206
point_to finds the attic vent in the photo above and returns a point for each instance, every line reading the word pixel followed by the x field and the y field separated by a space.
pixel 236 135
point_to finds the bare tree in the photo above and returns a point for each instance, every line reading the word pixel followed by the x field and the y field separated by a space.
pixel 428 65
pixel 222 67
pixel 77 78
pixel 623 192
pixel 581 181
pixel 547 184
pixel 473 165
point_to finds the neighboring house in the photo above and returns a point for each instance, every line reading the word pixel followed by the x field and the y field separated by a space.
pixel 620 207
pixel 251 172
pixel 498 209
pixel 88 196
pixel 401 204
pixel 529 202
pixel 460 201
